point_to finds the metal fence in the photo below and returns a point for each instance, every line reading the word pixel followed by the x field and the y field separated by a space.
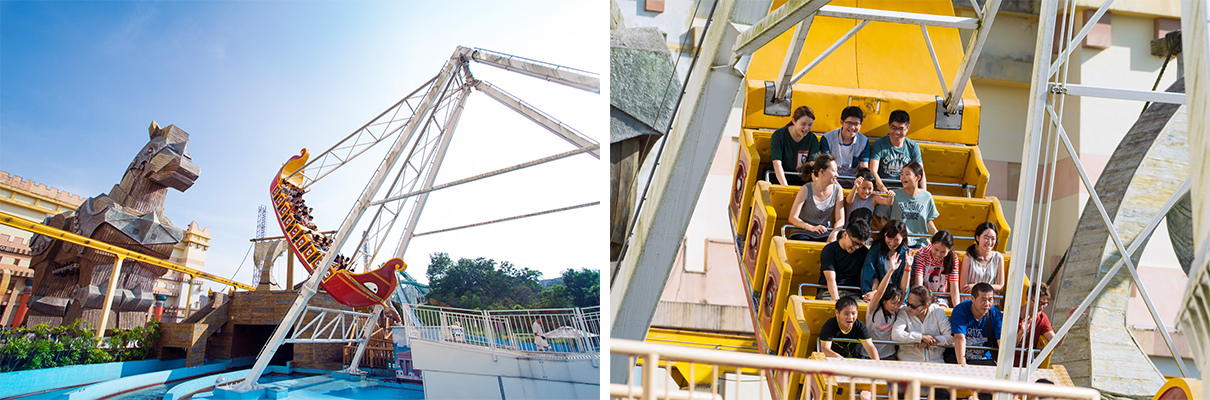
pixel 570 330
pixel 843 379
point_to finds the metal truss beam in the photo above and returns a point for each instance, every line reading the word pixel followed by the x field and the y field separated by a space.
pixel 570 77
pixel 312 284
pixel 1122 94
pixel 330 326
pixel 900 17
pixel 546 121
pixel 1030 155
pixel 450 124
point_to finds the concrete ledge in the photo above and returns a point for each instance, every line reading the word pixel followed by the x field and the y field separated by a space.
pixel 109 388
pixel 42 380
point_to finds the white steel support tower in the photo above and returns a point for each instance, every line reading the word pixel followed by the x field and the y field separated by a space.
pixel 712 86
pixel 1045 138
pixel 1194 318
pixel 421 127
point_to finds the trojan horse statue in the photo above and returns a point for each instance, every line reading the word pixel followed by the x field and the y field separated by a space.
pixel 70 281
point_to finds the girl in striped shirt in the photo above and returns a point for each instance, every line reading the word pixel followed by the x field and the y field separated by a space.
pixel 936 267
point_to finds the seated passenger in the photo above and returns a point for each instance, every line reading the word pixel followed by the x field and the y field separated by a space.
pixel 888 255
pixel 975 323
pixel 924 323
pixel 840 262
pixel 890 153
pixel 862 196
pixel 847 144
pixel 881 316
pixel 846 326
pixel 794 145
pixel 981 263
pixel 936 267
pixel 1026 329
pixel 913 205
pixel 815 213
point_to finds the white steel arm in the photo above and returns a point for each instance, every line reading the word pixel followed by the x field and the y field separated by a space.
pixel 583 80
pixel 566 132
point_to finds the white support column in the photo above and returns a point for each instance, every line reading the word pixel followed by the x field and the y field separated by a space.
pixel 363 202
pixel 676 186
pixel 570 77
pixel 1037 117
pixel 361 348
pixel 451 123
pixel 1194 317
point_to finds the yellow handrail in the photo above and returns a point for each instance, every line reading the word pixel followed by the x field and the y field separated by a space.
pixel 30 226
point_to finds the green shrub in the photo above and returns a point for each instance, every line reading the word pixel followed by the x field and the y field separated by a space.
pixel 48 347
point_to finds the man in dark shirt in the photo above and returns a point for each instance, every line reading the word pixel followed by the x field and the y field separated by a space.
pixel 846 326
pixel 840 262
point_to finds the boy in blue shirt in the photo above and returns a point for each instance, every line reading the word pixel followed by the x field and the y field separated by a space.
pixel 975 322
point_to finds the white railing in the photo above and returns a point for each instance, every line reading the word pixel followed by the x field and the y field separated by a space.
pixel 865 375
pixel 553 331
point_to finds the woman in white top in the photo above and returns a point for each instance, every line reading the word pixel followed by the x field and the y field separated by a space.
pixel 924 323
pixel 981 264
pixel 817 211
pixel 884 307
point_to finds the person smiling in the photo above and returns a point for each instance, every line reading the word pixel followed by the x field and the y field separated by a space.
pixel 889 154
pixel 794 145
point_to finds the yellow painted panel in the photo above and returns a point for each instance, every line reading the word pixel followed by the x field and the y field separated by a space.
pixel 827 103
pixel 885 67
pixel 894 57
pixel 702 374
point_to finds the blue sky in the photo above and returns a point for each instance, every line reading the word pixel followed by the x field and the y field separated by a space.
pixel 253 82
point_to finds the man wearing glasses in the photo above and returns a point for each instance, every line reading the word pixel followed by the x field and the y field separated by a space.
pixel 848 145
pixel 889 154
pixel 975 322
pixel 840 262
pixel 924 323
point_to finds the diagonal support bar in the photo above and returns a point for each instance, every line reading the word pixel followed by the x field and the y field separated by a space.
pixel 973 48
pixel 1071 46
pixel 546 121
pixel 899 17
pixel 1122 94
pixel 791 60
pixel 489 174
pixel 819 59
pixel 774 24
pixel 1125 255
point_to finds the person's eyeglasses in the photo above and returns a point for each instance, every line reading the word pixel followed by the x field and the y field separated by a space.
pixel 915 306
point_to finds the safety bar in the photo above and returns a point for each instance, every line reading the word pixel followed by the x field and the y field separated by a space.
pixel 965 186
pixel 910 344
pixel 816 285
pixel 784 235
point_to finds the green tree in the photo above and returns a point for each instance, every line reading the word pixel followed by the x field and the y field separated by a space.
pixel 481 283
pixel 583 287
